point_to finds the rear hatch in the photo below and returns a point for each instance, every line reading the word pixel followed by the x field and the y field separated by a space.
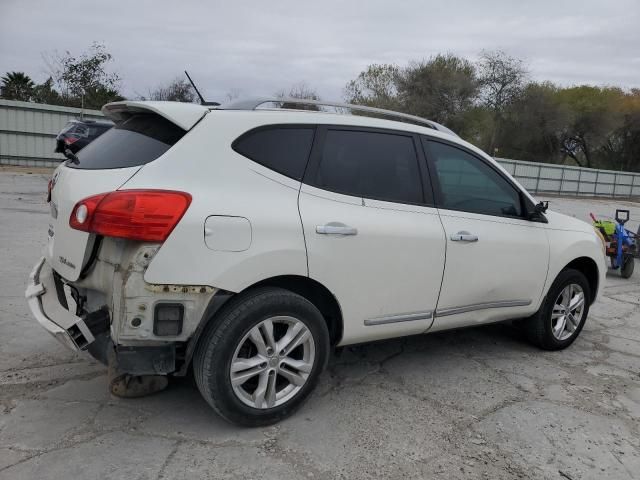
pixel 144 131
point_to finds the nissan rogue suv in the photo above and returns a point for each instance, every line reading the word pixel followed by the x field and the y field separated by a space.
pixel 246 241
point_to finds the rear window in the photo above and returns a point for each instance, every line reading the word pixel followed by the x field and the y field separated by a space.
pixel 283 149
pixel 138 140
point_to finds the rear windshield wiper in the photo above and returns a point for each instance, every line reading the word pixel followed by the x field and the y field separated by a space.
pixel 71 156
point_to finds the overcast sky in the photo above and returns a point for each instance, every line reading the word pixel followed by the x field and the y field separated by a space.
pixel 259 47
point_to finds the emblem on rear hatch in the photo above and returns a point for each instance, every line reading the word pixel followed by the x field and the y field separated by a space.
pixel 66 262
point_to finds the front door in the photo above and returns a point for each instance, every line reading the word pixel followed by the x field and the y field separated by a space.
pixel 372 238
pixel 497 260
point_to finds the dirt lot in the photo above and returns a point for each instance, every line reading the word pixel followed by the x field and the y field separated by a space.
pixel 477 403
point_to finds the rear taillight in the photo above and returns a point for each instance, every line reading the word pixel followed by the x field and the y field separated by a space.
pixel 70 140
pixel 145 215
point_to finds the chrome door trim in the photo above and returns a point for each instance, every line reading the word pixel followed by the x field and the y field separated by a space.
pixel 481 306
pixel 403 317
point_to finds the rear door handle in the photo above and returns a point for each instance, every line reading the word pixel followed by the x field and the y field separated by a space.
pixel 336 229
pixel 463 236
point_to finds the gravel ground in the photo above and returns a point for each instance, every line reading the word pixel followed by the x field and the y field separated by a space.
pixel 476 403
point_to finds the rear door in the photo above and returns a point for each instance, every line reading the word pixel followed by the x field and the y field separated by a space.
pixel 373 238
pixel 103 166
pixel 496 258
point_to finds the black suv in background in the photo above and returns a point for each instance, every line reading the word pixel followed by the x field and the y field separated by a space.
pixel 77 134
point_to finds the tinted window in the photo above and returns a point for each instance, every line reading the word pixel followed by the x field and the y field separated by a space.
pixel 80 130
pixel 370 164
pixel 285 150
pixel 138 140
pixel 467 183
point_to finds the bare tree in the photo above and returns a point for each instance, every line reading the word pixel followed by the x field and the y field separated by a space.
pixel 233 94
pixel 177 90
pixel 502 81
pixel 299 90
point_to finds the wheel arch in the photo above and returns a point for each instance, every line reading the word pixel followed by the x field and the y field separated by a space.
pixel 306 287
pixel 589 268
pixel 316 293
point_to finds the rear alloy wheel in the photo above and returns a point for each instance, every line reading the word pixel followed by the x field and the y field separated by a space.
pixel 261 356
pixel 266 372
pixel 563 312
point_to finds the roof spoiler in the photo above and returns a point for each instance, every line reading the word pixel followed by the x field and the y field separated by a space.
pixel 184 115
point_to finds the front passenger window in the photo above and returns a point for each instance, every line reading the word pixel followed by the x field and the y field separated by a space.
pixel 469 184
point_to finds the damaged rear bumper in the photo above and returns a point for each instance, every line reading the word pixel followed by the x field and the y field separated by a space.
pixel 42 297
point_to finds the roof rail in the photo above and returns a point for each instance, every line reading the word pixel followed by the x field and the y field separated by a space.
pixel 291 103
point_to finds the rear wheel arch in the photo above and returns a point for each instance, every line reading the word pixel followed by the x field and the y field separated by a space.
pixel 312 290
pixel 316 293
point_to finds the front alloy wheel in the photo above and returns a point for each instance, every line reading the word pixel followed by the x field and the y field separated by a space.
pixel 563 312
pixel 567 311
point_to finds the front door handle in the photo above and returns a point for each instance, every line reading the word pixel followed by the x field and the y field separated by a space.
pixel 463 236
pixel 336 229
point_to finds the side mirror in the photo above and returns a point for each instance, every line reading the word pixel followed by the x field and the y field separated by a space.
pixel 537 214
pixel 541 207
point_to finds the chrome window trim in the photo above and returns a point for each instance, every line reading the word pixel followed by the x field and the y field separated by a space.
pixel 481 306
pixel 403 317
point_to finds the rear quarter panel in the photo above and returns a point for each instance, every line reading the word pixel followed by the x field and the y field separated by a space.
pixel 223 182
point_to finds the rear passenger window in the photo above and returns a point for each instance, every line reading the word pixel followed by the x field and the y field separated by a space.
pixel 469 184
pixel 370 164
pixel 285 150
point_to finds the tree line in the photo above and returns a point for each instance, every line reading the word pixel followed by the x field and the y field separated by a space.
pixel 493 103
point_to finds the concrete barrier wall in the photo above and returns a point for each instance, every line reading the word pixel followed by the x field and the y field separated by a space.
pixel 28 131
pixel 568 180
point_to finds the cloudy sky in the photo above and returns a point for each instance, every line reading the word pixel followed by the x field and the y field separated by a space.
pixel 259 47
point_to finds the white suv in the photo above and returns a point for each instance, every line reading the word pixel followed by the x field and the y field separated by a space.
pixel 246 241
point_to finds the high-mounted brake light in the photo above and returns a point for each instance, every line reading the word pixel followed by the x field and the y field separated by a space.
pixel 145 215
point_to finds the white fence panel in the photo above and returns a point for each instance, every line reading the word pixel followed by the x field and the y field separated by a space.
pixel 565 179
pixel 28 131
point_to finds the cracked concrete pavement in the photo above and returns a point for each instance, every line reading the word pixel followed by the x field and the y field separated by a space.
pixel 475 403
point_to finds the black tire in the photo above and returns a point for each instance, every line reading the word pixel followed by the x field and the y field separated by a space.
pixel 628 264
pixel 217 346
pixel 538 328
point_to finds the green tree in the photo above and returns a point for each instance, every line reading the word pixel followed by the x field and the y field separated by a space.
pixel 533 125
pixel 375 87
pixel 84 80
pixel 627 137
pixel 17 86
pixel 595 116
pixel 46 93
pixel 442 89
